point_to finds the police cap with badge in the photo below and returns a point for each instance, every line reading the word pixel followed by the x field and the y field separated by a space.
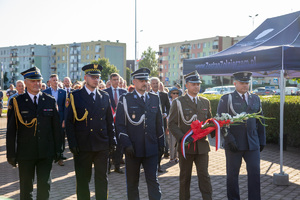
pixel 242 76
pixel 33 73
pixel 92 69
pixel 141 74
pixel 192 77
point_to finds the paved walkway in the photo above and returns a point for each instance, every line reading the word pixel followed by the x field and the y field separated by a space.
pixel 63 178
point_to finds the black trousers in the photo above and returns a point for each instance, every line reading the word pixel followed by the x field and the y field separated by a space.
pixel 27 169
pixel 83 169
pixel 133 175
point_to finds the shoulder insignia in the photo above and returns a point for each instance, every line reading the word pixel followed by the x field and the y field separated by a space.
pixel 67 102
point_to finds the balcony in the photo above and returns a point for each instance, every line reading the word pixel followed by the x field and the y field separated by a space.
pixel 14 54
pixel 32 61
pixel 185 50
pixel 32 53
pixel 53 53
pixel 160 61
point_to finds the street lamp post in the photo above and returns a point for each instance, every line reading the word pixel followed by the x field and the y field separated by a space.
pixel 253 17
pixel 68 68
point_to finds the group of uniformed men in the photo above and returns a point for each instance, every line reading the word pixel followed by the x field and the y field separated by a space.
pixel 34 135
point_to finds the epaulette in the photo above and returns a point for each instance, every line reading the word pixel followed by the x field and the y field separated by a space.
pixel 103 92
pixel 48 95
pixel 152 93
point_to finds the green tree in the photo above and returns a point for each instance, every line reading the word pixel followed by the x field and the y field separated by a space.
pixel 128 77
pixel 107 68
pixel 296 79
pixel 149 61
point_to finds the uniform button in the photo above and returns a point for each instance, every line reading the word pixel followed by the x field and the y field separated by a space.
pixel 102 108
pixel 39 138
pixel 145 133
pixel 91 130
pixel 145 118
pixel 91 119
pixel 145 111
pixel 100 118
pixel 146 126
pixel 101 129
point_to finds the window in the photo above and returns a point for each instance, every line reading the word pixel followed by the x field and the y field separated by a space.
pixel 87 56
pixel 58 50
pixel 193 55
pixel 194 46
pixel 199 45
pixel 198 55
pixel 58 57
pixel 87 48
pixel 170 49
pixel 174 49
pixel 169 66
pixel 63 58
pixel 63 50
pixel 204 54
pixel 204 45
pixel 174 57
pixel 174 66
pixel 165 66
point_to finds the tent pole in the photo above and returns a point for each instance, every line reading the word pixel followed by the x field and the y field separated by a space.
pixel 281 178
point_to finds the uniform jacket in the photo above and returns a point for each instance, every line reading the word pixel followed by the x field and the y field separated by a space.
pixel 178 128
pixel 147 137
pixel 111 96
pixel 165 105
pixel 95 133
pixel 249 135
pixel 61 101
pixel 20 140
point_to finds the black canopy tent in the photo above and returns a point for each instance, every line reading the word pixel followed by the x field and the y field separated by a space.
pixel 273 49
pixel 273 46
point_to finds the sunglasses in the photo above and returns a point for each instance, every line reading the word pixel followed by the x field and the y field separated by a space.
pixel 176 93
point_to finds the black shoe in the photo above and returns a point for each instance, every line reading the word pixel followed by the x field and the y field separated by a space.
pixel 160 170
pixel 166 155
pixel 63 158
pixel 118 170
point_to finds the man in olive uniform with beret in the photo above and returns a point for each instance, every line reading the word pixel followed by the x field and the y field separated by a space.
pixel 90 132
pixel 140 130
pixel 245 140
pixel 184 110
pixel 33 137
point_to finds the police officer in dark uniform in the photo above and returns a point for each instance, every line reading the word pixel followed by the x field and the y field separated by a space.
pixel 140 131
pixel 90 132
pixel 33 137
pixel 245 140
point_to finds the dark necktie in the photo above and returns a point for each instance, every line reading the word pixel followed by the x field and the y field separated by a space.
pixel 116 97
pixel 68 91
pixel 143 99
pixel 34 101
pixel 194 100
pixel 244 99
pixel 92 96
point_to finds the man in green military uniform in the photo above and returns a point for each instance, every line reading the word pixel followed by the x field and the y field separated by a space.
pixel 184 111
pixel 33 137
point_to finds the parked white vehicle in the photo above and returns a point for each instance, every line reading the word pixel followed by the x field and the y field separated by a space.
pixel 220 90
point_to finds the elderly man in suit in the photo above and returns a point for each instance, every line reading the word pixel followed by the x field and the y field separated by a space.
pixel 165 107
pixel 114 94
pixel 243 141
pixel 184 110
pixel 33 137
pixel 139 128
pixel 91 134
pixel 60 97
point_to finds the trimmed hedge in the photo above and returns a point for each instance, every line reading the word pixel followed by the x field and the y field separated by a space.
pixel 271 108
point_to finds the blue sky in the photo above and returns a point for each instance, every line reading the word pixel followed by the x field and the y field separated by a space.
pixel 162 21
